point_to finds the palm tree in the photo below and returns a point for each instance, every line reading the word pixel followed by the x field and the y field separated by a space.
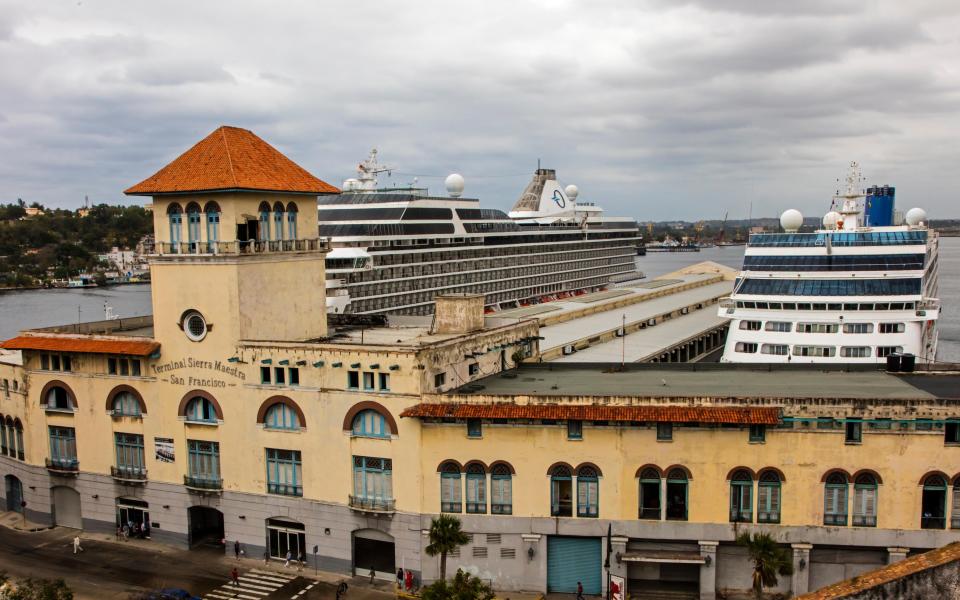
pixel 769 560
pixel 445 536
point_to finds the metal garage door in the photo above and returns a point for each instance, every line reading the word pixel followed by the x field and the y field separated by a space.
pixel 573 559
pixel 66 507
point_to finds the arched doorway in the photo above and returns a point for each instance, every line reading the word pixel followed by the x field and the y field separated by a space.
pixel 14 493
pixel 66 507
pixel 206 526
pixel 374 549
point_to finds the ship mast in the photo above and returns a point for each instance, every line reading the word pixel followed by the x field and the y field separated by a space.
pixel 367 172
pixel 849 200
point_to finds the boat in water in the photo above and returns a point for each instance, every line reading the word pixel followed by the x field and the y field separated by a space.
pixel 395 249
pixel 860 289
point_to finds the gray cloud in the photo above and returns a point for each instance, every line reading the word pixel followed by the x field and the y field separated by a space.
pixel 656 110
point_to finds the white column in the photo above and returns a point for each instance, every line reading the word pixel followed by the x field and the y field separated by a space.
pixel 800 580
pixel 708 570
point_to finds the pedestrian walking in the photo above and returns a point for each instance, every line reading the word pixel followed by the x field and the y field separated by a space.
pixel 119 532
pixel 300 560
pixel 400 579
pixel 126 534
pixel 373 575
pixel 76 545
pixel 266 557
pixel 146 530
pixel 235 576
pixel 579 591
pixel 289 556
pixel 236 549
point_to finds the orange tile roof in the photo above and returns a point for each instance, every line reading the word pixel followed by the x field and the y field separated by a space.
pixel 909 566
pixel 764 415
pixel 84 344
pixel 231 158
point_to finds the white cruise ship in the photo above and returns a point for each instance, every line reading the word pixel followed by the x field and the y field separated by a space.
pixel 857 290
pixel 395 249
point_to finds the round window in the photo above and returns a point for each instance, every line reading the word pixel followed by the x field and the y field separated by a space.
pixel 194 326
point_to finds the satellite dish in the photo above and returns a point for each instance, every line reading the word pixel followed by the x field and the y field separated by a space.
pixel 791 220
pixel 572 192
pixel 830 219
pixel 915 216
pixel 351 184
pixel 454 183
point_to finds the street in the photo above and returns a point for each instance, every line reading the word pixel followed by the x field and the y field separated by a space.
pixel 108 570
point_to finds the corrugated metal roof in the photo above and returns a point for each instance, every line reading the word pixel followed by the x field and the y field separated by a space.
pixel 746 415
pixel 231 158
pixel 82 344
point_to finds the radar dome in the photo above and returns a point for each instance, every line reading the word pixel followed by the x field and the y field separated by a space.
pixel 830 219
pixel 791 220
pixel 351 184
pixel 454 183
pixel 915 216
pixel 572 192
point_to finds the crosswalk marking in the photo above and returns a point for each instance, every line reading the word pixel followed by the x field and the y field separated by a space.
pixel 269 577
pixel 242 588
pixel 253 585
pixel 258 584
pixel 266 579
pixel 273 574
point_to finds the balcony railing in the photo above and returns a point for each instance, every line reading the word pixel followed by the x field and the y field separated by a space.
pixel 135 474
pixel 284 489
pixel 203 484
pixel 501 509
pixel 834 519
pixel 740 516
pixel 63 466
pixel 238 247
pixel 768 517
pixel 379 505
pixel 933 522
pixel 864 520
pixel 477 508
pixel 650 513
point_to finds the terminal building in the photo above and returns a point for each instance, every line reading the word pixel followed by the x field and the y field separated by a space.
pixel 237 411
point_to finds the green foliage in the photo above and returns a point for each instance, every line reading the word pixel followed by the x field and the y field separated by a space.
pixel 445 537
pixel 61 243
pixel 463 587
pixel 769 559
pixel 35 589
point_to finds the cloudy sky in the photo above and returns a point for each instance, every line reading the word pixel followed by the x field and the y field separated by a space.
pixel 657 109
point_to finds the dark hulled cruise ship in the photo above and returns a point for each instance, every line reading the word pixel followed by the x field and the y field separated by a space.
pixel 395 249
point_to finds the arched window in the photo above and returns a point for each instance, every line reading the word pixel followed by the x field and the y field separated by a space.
pixel 650 494
pixel 201 410
pixel 501 490
pixel 291 221
pixel 18 426
pixel 13 447
pixel 768 498
pixel 451 500
pixel 193 225
pixel 835 493
pixel 370 423
pixel 865 501
pixel 3 436
pixel 561 492
pixel 264 221
pixel 955 513
pixel 476 489
pixel 281 416
pixel 58 399
pixel 212 211
pixel 278 221
pixel 175 216
pixel 677 495
pixel 588 492
pixel 126 404
pixel 934 503
pixel 741 497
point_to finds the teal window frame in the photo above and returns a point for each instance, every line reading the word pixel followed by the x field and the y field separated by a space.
pixel 664 432
pixel 126 404
pixel 281 416
pixel 279 376
pixel 203 460
pixel 18 429
pixel 451 493
pixel 835 500
pixel 864 487
pixel 501 490
pixel 370 423
pixel 292 224
pixel 129 451
pixel 213 229
pixel 372 478
pixel 193 226
pixel 175 220
pixel 266 375
pixel 951 431
pixel 284 472
pixel 278 224
pixel 3 437
pixel 474 428
pixel 264 226
pixel 383 381
pixel 650 486
pixel 369 381
pixel 588 493
pixel 574 429
pixel 63 445
pixel 741 493
pixel 200 410
pixel 769 498
pixel 853 431
pixel 677 477
pixel 353 380
pixel 933 484
pixel 476 490
pixel 758 434
pixel 293 376
pixel 559 507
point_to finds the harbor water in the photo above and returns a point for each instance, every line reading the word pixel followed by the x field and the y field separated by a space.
pixel 42 308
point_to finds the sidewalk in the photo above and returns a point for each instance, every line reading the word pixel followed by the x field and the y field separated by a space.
pixel 14 520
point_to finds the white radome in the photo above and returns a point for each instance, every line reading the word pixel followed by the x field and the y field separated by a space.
pixel 915 216
pixel 351 184
pixel 572 192
pixel 454 183
pixel 791 220
pixel 830 219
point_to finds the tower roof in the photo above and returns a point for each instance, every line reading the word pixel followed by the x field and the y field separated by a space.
pixel 231 158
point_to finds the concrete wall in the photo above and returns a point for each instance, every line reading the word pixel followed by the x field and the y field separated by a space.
pixel 939 582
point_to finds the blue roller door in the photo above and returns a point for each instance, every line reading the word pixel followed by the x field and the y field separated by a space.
pixel 573 559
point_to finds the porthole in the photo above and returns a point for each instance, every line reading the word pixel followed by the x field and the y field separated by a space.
pixel 194 326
